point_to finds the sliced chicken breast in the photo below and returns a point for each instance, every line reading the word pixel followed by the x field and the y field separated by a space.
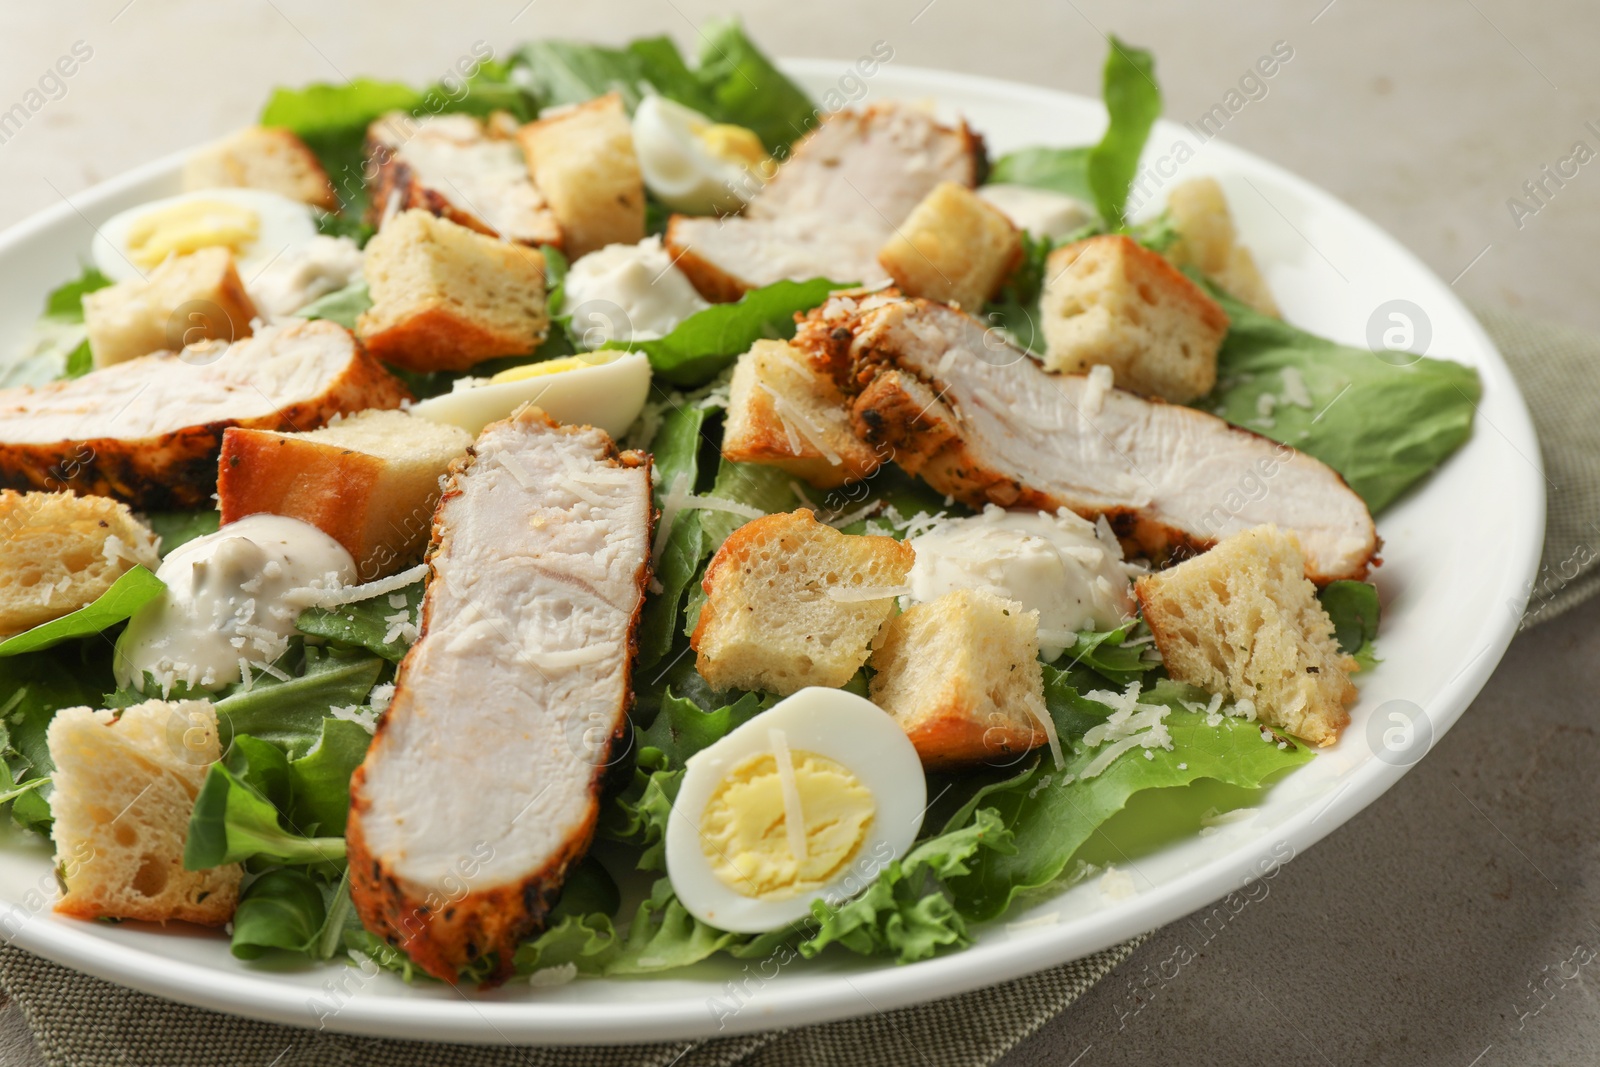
pixel 148 431
pixel 451 166
pixel 482 784
pixel 832 205
pixel 978 419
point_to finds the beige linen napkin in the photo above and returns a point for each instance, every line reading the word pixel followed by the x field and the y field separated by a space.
pixel 83 1022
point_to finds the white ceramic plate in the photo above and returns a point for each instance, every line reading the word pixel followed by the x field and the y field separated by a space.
pixel 1458 557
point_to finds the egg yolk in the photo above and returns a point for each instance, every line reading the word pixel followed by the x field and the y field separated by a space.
pixel 189 226
pixel 553 366
pixel 732 144
pixel 745 836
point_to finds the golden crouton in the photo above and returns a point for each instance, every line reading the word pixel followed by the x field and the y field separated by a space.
pixel 123 789
pixel 445 297
pixel 1208 242
pixel 1242 620
pixel 784 412
pixel 1110 301
pixel 961 675
pixel 187 299
pixel 369 481
pixel 582 160
pixel 59 551
pixel 955 247
pixel 791 602
pixel 261 157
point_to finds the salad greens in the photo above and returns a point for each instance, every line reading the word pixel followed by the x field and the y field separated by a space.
pixel 180 527
pixel 58 344
pixel 373 624
pixel 135 588
pixel 1133 102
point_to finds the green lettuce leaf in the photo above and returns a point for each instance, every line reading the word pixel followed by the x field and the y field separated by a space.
pixel 638 815
pixel 319 781
pixel 1060 170
pixel 57 345
pixel 33 687
pixel 713 338
pixel 1133 103
pixel 132 591
pixel 1380 425
pixel 1016 308
pixel 663 936
pixel 676 449
pixel 746 89
pixel 180 527
pixel 290 714
pixel 342 306
pixel 364 623
pixel 282 909
pixel 682 727
pixel 586 941
pixel 1354 609
pixel 1108 654
pixel 233 821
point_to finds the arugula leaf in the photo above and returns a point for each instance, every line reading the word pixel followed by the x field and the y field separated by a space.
pixel 748 90
pixel 1060 170
pixel 1133 103
pixel 1354 609
pixel 130 592
pixel 1379 425
pixel 319 781
pixel 180 527
pixel 1107 654
pixel 232 821
pixel 908 911
pixel 289 714
pixel 365 623
pixel 342 306
pixel 711 339
pixel 282 909
pixel 1051 814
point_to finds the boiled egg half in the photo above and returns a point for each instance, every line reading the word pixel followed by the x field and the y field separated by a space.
pixel 807 801
pixel 255 225
pixel 605 389
pixel 695 165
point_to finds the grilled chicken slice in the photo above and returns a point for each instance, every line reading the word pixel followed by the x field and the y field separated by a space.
pixel 482 785
pixel 148 431
pixel 832 205
pixel 451 166
pixel 976 418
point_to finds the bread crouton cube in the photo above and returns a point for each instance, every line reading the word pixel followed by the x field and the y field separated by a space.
pixel 954 247
pixel 445 297
pixel 582 160
pixel 187 299
pixel 1242 620
pixel 59 551
pixel 1208 242
pixel 369 481
pixel 1109 301
pixel 124 786
pixel 784 412
pixel 961 675
pixel 791 602
pixel 261 157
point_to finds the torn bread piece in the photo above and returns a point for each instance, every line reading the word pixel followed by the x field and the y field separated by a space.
pixel 954 247
pixel 148 431
pixel 961 675
pixel 124 786
pixel 458 168
pixel 261 157
pixel 187 299
pixel 445 297
pixel 1110 302
pixel 792 602
pixel 989 425
pixel 1208 242
pixel 482 785
pixel 1242 620
pixel 786 413
pixel 60 551
pixel 368 480
pixel 582 161
pixel 832 206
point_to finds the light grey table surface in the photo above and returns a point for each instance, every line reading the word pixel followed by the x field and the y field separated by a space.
pixel 1439 926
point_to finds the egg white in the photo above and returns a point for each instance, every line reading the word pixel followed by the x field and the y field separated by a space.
pixel 676 166
pixel 283 224
pixel 848 729
pixel 608 395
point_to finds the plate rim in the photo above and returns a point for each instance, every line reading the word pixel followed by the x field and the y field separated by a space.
pixel 258 994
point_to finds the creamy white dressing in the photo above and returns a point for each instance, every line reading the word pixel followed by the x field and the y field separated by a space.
pixel 1059 565
pixel 628 292
pixel 1039 211
pixel 231 599
pixel 303 273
